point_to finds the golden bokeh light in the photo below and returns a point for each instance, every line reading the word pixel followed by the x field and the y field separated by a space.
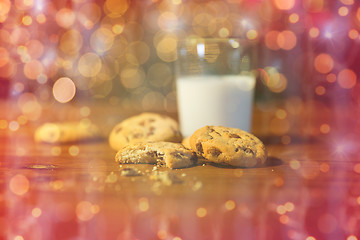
pixel 71 42
pixel 201 212
pixel 19 36
pixel 36 212
pixel 346 78
pixel 35 49
pixel 293 18
pixel 143 204
pixel 29 106
pixel 325 128
pixel 102 40
pixel 64 90
pixel 132 77
pixel 65 17
pixel 320 90
pixel 89 14
pixel 33 69
pixel 314 5
pixel 27 20
pixel 277 82
pixel 331 77
pixel 284 4
pixel 166 48
pixel 353 34
pixel 74 150
pixel 323 63
pixel 343 11
pixel 19 184
pixel 271 40
pixel 251 34
pixel 41 18
pixel 89 64
pixel 286 40
pixel 314 32
pixel 116 8
pixel 84 211
pixel 230 205
pixel 137 53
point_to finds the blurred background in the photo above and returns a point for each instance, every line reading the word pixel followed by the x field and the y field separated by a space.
pixel 121 54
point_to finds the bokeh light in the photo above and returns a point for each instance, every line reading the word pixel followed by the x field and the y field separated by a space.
pixel 323 63
pixel 71 42
pixel 284 4
pixel 65 17
pixel 64 90
pixel 19 184
pixel 347 78
pixel 89 64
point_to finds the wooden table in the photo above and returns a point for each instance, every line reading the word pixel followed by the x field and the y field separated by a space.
pixel 310 189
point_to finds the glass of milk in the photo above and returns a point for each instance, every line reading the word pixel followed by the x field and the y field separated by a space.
pixel 214 83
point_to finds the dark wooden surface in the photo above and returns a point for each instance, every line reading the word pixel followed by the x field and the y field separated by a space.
pixel 310 189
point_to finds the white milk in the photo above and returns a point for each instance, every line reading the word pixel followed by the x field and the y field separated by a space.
pixel 215 100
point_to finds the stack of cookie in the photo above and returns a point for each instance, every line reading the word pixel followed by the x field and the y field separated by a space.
pixel 156 139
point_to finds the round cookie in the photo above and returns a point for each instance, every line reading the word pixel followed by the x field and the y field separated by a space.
pixel 145 127
pixel 228 146
pixel 67 132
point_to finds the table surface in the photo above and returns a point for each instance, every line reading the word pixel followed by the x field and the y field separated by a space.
pixel 309 189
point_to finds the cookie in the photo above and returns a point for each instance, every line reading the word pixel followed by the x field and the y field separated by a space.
pixel 168 154
pixel 228 146
pixel 146 127
pixel 186 142
pixel 67 132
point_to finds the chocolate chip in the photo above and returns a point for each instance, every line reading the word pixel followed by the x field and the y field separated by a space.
pixel 214 151
pixel 117 130
pixel 199 148
pixel 151 131
pixel 232 135
pixel 152 154
pixel 248 151
pixel 137 135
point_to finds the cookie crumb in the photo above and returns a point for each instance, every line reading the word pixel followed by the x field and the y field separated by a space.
pixel 166 178
pixel 197 185
pixel 130 172
pixel 111 178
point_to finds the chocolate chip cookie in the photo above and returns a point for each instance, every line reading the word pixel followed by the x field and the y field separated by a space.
pixel 146 127
pixel 228 146
pixel 67 132
pixel 168 154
